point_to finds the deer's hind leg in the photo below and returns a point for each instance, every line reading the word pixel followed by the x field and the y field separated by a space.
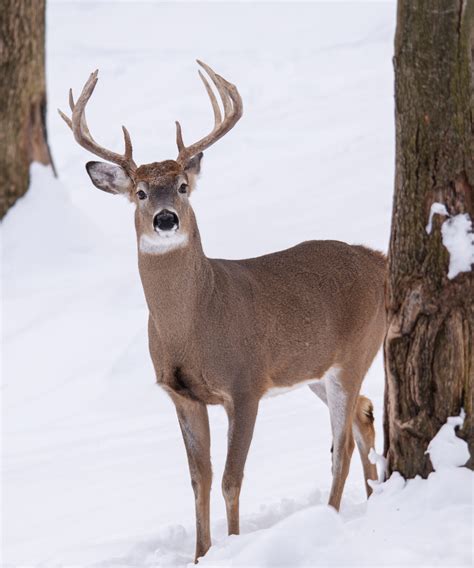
pixel 341 393
pixel 362 429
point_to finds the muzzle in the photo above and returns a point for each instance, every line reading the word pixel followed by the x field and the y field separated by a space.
pixel 165 220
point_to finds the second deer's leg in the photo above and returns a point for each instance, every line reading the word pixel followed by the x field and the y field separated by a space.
pixel 341 399
pixel 364 434
pixel 242 413
pixel 194 423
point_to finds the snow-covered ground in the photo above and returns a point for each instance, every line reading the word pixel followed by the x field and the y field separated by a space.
pixel 94 471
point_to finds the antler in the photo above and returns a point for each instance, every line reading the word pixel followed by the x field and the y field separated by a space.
pixel 233 109
pixel 78 124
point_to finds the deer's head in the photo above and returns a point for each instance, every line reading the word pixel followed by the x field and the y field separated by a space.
pixel 164 218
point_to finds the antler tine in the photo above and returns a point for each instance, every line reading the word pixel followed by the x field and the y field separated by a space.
pixel 212 96
pixel 80 129
pixel 71 100
pixel 128 144
pixel 219 85
pixel 179 139
pixel 233 109
pixel 66 118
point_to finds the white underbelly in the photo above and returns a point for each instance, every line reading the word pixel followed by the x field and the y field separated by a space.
pixel 275 391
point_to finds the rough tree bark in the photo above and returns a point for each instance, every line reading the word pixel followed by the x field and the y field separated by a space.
pixel 429 346
pixel 23 136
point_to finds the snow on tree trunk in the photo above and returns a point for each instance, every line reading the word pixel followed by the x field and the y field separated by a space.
pixel 429 348
pixel 22 96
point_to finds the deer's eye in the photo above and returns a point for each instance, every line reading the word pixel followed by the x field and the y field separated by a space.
pixel 183 188
pixel 141 194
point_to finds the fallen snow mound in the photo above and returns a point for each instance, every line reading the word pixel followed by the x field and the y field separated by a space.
pixel 423 522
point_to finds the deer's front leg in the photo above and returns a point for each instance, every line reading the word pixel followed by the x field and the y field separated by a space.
pixel 242 412
pixel 194 423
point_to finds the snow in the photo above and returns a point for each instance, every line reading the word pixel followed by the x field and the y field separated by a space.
pixel 436 209
pixel 445 449
pixel 458 238
pixel 416 522
pixel 94 470
pixel 380 462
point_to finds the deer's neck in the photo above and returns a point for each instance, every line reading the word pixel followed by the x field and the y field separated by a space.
pixel 177 284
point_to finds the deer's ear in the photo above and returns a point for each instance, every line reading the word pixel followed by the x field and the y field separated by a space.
pixel 109 178
pixel 193 169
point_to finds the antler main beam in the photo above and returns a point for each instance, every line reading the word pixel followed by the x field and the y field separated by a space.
pixel 78 124
pixel 233 109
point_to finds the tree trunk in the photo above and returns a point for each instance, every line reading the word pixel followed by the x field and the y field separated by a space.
pixel 22 96
pixel 429 357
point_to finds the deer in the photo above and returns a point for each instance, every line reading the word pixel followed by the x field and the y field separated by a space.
pixel 229 332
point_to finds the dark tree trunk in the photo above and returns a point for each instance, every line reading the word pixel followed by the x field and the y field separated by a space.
pixel 22 96
pixel 429 353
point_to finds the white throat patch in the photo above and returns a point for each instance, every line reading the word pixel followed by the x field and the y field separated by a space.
pixel 162 243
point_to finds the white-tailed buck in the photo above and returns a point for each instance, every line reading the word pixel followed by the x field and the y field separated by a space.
pixel 228 331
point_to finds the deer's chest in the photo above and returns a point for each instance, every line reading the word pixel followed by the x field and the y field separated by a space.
pixel 190 384
pixel 192 368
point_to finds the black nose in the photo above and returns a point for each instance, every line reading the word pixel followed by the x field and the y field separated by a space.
pixel 165 220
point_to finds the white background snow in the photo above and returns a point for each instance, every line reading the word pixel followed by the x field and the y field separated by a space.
pixel 94 471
